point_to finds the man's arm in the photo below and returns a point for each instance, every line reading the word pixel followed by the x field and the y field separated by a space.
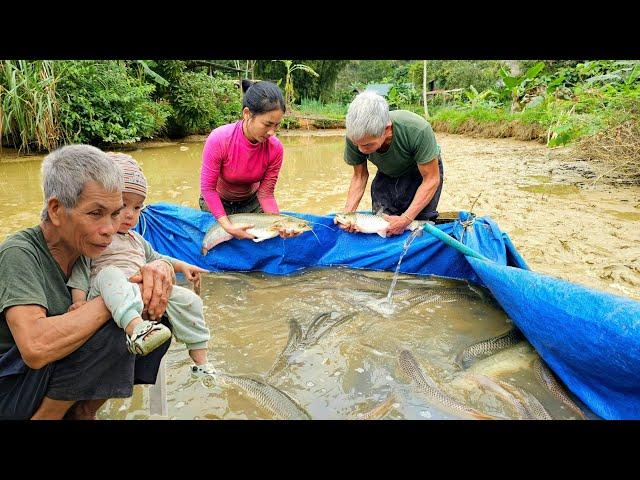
pixel 427 189
pixel 42 340
pixel 357 187
pixel 356 190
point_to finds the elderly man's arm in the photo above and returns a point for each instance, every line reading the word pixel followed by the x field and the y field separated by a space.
pixel 42 340
pixel 157 279
pixel 356 190
pixel 430 181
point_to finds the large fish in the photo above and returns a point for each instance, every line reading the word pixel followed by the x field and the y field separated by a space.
pixel 488 347
pixel 369 223
pixel 548 379
pixel 320 325
pixel 426 386
pixel 505 392
pixel 275 401
pixel 265 226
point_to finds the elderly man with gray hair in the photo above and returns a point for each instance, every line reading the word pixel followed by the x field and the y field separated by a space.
pixel 56 363
pixel 403 147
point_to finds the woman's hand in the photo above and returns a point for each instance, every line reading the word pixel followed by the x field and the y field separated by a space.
pixel 351 228
pixel 156 282
pixel 239 231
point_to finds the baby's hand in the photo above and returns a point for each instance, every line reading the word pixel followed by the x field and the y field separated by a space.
pixel 192 273
pixel 76 305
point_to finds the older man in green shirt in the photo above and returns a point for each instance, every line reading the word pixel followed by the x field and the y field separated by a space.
pixel 403 147
pixel 56 363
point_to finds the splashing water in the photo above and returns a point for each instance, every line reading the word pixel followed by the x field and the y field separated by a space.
pixel 417 232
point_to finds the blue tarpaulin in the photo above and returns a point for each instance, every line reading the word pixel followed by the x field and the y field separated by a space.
pixel 590 339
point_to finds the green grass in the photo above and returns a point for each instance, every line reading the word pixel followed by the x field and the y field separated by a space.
pixel 337 111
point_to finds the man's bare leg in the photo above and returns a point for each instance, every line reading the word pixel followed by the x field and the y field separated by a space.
pixel 51 409
pixel 85 410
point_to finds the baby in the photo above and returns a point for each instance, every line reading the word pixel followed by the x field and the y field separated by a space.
pixel 127 253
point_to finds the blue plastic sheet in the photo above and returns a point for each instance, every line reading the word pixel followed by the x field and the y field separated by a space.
pixel 590 339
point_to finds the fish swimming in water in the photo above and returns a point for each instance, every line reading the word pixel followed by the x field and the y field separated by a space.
pixel 369 223
pixel 265 226
pixel 426 385
pixel 320 325
pixel 503 391
pixel 488 347
pixel 546 377
pixel 379 411
pixel 275 401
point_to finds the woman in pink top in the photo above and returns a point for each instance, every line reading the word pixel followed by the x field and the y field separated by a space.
pixel 241 161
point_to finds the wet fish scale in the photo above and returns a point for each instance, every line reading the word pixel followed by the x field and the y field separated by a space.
pixel 488 347
pixel 548 379
pixel 275 401
pixel 410 367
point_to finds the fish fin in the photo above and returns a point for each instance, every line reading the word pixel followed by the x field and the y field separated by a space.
pixel 204 251
pixel 382 233
pixel 459 360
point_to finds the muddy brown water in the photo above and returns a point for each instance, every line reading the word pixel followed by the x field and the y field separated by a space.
pixel 544 199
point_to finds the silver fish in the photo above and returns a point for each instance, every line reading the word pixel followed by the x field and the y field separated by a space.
pixel 532 404
pixel 488 347
pixel 266 225
pixel 499 387
pixel 369 223
pixel 379 411
pixel 275 401
pixel 295 336
pixel 320 325
pixel 426 386
pixel 546 377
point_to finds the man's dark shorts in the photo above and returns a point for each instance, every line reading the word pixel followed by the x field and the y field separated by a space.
pixel 102 368
pixel 394 194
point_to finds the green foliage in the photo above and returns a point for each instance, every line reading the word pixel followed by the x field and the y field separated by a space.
pixel 450 74
pixel 101 103
pixel 517 86
pixel 201 102
pixel 315 107
pixel 28 105
pixel 289 92
pixel 319 87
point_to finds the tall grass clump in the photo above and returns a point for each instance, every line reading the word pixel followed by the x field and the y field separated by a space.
pixel 29 110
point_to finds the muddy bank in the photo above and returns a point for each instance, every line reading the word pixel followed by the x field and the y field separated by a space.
pixel 546 200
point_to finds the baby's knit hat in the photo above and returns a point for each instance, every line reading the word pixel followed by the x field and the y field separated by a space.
pixel 134 179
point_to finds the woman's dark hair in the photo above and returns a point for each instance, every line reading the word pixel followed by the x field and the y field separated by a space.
pixel 261 97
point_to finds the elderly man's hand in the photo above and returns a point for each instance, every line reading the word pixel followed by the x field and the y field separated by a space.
pixel 156 279
pixel 397 224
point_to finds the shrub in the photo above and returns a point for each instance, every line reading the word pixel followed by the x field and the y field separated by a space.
pixel 201 102
pixel 101 103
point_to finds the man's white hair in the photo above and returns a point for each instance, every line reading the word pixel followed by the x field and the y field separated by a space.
pixel 65 172
pixel 368 114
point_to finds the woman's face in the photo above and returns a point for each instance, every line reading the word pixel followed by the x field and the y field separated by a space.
pixel 260 127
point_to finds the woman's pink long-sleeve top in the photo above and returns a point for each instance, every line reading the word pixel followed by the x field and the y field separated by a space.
pixel 233 168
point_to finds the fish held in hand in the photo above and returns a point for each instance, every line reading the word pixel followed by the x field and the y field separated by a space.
pixel 369 223
pixel 265 226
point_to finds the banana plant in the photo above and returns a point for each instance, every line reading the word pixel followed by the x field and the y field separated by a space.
pixel 476 98
pixel 289 92
pixel 516 86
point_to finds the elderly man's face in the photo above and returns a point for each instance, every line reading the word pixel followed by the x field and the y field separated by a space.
pixel 369 144
pixel 90 225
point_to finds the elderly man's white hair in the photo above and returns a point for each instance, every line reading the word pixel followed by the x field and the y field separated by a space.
pixel 65 172
pixel 368 115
